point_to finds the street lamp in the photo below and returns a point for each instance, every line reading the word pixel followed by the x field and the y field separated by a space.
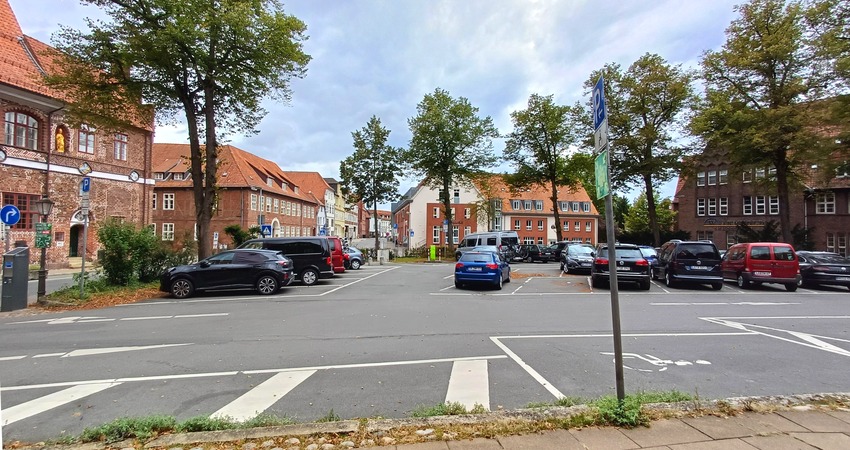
pixel 43 205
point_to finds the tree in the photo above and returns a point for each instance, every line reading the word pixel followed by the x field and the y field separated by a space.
pixel 491 202
pixel 647 106
pixel 450 144
pixel 637 219
pixel 761 88
pixel 211 60
pixel 370 173
pixel 538 148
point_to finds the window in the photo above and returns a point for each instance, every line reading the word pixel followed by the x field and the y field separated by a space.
pixel 528 240
pixel 268 204
pixel 517 225
pixel 153 201
pixel 515 204
pixel 178 177
pixel 276 206
pixel 159 176
pixel 825 203
pixel 168 232
pixel 436 212
pixel 760 173
pixel 298 209
pixel 455 236
pixel 24 203
pixel 253 202
pixel 700 206
pixel 566 225
pixel 712 177
pixel 527 205
pixel 539 225
pixel 467 213
pixel 843 170
pixel 575 206
pixel 588 226
pixel 773 203
pixel 467 230
pixel 723 178
pixel 712 207
pixel 453 216
pixel 724 206
pixel 585 206
pixel 456 198
pixel 565 206
pixel 577 226
pixel 760 205
pixel 747 176
pixel 21 130
pixel 538 205
pixel 85 143
pixel 705 235
pixel 748 205
pixel 435 235
pixel 701 179
pixel 528 224
pixel 842 244
pixel 167 202
pixel 497 224
pixel 269 182
pixel 288 208
pixel 119 145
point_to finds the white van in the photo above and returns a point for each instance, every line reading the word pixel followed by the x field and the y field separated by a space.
pixel 503 240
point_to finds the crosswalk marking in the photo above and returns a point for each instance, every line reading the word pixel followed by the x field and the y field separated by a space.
pixel 258 399
pixel 469 384
pixel 50 401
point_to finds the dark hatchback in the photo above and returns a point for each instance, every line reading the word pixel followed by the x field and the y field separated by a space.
pixel 823 268
pixel 481 267
pixel 694 262
pixel 577 258
pixel 632 267
pixel 537 252
pixel 265 271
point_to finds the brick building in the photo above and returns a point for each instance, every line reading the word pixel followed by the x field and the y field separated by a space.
pixel 43 156
pixel 252 191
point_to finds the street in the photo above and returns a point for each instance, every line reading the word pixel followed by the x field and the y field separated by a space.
pixel 388 338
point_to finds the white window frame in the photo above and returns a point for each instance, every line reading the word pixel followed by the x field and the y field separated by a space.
pixel 760 171
pixel 168 232
pixel 538 205
pixel 517 224
pixel 467 213
pixel 529 224
pixel 153 201
pixel 467 230
pixel 723 176
pixel 585 206
pixel 712 177
pixel 723 206
pixel 168 201
pixel 436 212
pixel 435 235
pixel 701 179
pixel 253 202
pixel 747 176
pixel 540 225
pixel 773 205
pixel 825 203
pixel 700 206
pixel 526 204
pixel 588 226
pixel 516 205
pixel 575 206
pixel 712 206
pixel 747 205
pixel 565 206
pixel 830 242
pixel 577 226
pixel 119 146
pixel 455 234
pixel 761 205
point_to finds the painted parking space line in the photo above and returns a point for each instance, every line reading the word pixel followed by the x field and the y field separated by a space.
pixel 263 396
pixel 79 319
pixel 805 339
pixel 469 384
pixel 50 401
pixel 724 303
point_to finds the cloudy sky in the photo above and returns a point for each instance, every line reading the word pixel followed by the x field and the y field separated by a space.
pixel 381 57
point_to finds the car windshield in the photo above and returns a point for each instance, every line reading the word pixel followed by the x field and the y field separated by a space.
pixel 829 258
pixel 631 253
pixel 648 251
pixel 697 251
pixel 478 257
pixel 510 241
pixel 580 251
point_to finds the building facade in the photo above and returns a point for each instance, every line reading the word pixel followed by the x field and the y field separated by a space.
pixel 313 184
pixel 43 156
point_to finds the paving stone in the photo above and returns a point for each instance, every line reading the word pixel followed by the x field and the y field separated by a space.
pixel 560 439
pixel 840 414
pixel 723 444
pixel 777 442
pixel 816 421
pixel 719 427
pixel 825 441
pixel 424 446
pixel 768 423
pixel 665 432
pixel 475 444
pixel 607 438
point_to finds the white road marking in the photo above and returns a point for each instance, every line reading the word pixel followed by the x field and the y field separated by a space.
pixel 660 286
pixel 260 398
pixel 73 320
pixel 723 303
pixel 446 288
pixel 359 280
pixel 534 374
pixel 447 277
pixel 469 384
pixel 101 351
pixel 380 364
pixel 50 401
pixel 810 340
pixel 551 336
pixel 12 358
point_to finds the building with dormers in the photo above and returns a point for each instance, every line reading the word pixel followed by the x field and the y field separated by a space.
pixel 43 156
pixel 252 191
pixel 315 185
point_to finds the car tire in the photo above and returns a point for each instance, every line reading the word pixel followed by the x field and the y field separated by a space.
pixel 668 280
pixel 309 277
pixel 645 285
pixel 355 264
pixel 182 288
pixel 508 279
pixel 791 287
pixel 267 285
pixel 566 268
pixel 499 283
pixel 594 282
pixel 653 274
pixel 562 267
pixel 717 286
pixel 458 284
pixel 742 283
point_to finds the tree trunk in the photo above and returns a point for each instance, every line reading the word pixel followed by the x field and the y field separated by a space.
pixel 195 160
pixel 447 206
pixel 559 233
pixel 650 210
pixel 781 164
pixel 375 218
pixel 207 200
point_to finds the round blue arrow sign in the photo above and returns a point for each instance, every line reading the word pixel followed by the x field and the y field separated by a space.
pixel 10 215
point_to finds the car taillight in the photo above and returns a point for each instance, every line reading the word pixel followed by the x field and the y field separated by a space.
pixel 820 268
pixel 283 263
pixel 492 266
pixel 642 262
pixel 459 266
pixel 346 256
pixel 330 261
pixel 601 261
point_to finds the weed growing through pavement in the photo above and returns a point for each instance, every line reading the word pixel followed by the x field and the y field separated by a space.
pixel 331 416
pixel 446 409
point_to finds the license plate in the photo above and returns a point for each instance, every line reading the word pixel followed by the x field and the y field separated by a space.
pixel 474 269
pixel 624 269
pixel 585 264
pixel 699 267
pixel 763 274
pixel 842 278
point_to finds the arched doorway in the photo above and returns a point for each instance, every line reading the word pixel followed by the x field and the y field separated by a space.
pixel 75 238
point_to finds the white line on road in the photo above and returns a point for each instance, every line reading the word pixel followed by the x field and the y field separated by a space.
pixel 660 286
pixel 260 398
pixel 101 351
pixel 723 303
pixel 446 288
pixel 469 384
pixel 12 358
pixel 551 336
pixel 359 280
pixel 380 364
pixel 534 374
pixel 50 401
pixel 48 355
pixel 811 340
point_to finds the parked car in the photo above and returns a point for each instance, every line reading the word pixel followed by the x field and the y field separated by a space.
pixel 650 254
pixel 477 267
pixel 337 254
pixel 355 258
pixel 823 268
pixel 266 271
pixel 631 266
pixel 559 248
pixel 311 255
pixel 754 263
pixel 501 239
pixel 577 257
pixel 694 262
pixel 537 252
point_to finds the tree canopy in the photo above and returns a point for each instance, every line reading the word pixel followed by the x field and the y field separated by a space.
pixel 211 61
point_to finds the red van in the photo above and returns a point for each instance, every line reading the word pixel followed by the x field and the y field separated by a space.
pixel 337 255
pixel 754 263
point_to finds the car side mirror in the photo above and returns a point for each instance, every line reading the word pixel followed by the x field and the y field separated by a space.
pixel 593 254
pixel 205 264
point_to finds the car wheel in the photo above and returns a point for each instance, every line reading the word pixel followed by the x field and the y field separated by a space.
pixel 562 267
pixel 309 277
pixel 182 288
pixel 355 264
pixel 267 285
pixel 742 283
pixel 499 282
pixel 594 282
pixel 645 285
pixel 668 280
pixel 791 287
pixel 653 274
pixel 458 284
pixel 508 279
pixel 566 268
pixel 717 286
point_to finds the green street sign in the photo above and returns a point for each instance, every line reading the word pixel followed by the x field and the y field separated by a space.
pixel 43 234
pixel 601 166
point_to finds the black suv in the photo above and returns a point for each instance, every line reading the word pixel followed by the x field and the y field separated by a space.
pixel 631 266
pixel 696 262
pixel 311 255
pixel 536 252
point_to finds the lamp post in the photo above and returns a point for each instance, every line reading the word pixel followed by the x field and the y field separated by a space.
pixel 44 206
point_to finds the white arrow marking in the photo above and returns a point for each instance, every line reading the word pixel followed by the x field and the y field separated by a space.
pixel 824 345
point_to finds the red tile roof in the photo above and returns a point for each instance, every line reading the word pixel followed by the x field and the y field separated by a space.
pixel 501 190
pixel 19 63
pixel 310 182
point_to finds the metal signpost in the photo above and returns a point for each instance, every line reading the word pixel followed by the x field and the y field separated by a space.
pixel 603 189
pixel 85 188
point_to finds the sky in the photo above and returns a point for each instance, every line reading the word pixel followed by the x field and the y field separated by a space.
pixel 381 57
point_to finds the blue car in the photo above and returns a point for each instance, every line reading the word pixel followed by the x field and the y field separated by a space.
pixel 477 267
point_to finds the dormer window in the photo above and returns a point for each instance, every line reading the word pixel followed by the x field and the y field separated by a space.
pixel 283 185
pixel 158 176
pixel 269 182
pixel 178 177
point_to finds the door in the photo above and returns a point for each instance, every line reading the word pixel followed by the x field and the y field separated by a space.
pixel 785 262
pixel 74 240
pixel 760 262
pixel 218 273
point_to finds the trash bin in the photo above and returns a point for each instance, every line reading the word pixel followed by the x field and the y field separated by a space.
pixel 16 265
